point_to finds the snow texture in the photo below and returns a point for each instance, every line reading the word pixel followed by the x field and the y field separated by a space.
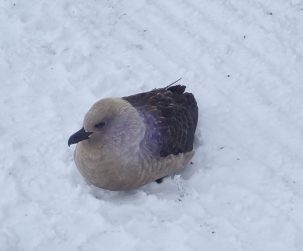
pixel 243 61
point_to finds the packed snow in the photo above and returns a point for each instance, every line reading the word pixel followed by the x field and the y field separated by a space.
pixel 243 62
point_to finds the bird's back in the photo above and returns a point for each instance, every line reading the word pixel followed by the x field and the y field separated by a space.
pixel 170 115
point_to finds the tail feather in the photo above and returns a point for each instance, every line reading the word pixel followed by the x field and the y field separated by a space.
pixel 178 89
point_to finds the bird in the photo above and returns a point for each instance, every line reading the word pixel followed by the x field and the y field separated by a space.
pixel 131 141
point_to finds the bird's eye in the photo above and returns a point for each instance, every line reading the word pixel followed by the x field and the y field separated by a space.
pixel 100 125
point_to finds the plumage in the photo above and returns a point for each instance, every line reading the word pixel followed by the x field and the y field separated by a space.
pixel 130 141
pixel 170 116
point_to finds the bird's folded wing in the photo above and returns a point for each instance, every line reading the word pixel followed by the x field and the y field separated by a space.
pixel 170 116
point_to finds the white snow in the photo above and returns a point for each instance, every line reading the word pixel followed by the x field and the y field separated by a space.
pixel 242 60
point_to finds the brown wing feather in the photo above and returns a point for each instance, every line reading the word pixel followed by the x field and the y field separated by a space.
pixel 170 116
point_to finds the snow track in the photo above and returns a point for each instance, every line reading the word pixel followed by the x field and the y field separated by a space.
pixel 242 60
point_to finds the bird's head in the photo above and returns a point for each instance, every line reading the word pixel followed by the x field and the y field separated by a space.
pixel 108 120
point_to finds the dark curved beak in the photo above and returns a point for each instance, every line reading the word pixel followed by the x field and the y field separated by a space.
pixel 78 136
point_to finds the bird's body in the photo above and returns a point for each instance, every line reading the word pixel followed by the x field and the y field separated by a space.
pixel 131 141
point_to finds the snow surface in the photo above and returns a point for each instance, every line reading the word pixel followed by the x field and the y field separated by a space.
pixel 243 61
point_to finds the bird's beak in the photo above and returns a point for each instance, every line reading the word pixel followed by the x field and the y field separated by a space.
pixel 78 136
